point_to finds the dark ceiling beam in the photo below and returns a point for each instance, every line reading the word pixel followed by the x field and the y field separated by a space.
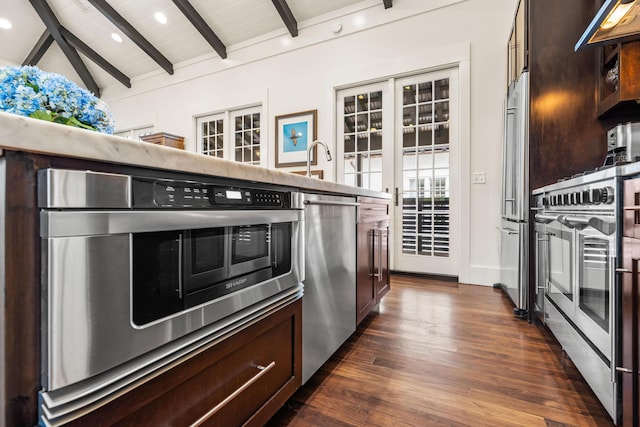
pixel 39 49
pixel 95 57
pixel 197 21
pixel 116 19
pixel 53 26
pixel 287 16
pixel 387 3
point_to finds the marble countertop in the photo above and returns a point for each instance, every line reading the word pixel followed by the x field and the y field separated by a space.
pixel 18 133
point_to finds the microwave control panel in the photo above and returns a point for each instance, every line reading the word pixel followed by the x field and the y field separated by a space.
pixel 160 193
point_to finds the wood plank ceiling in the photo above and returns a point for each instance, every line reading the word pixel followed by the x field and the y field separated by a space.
pixel 56 33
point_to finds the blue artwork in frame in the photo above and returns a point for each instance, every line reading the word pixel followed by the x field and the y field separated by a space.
pixel 294 134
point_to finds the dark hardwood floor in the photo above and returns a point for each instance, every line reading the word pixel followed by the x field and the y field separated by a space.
pixel 445 354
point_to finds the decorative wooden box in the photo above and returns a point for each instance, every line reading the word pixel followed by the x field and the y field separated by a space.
pixel 166 139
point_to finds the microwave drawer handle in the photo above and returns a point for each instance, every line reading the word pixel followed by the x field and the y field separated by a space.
pixel 90 223
pixel 263 370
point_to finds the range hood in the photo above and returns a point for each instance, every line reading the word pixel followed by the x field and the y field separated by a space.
pixel 616 21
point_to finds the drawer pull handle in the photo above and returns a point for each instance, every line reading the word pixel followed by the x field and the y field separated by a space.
pixel 632 208
pixel 263 370
pixel 623 270
pixel 623 370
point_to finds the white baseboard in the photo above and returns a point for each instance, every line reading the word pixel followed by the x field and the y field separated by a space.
pixel 479 275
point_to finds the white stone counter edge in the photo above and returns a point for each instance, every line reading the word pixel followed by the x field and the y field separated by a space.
pixel 18 133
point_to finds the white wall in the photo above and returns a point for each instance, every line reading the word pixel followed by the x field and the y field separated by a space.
pixel 414 35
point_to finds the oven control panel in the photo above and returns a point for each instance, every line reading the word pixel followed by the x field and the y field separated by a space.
pixel 159 193
pixel 594 196
pixel 585 197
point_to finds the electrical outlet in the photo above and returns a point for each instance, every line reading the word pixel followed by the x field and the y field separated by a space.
pixel 479 178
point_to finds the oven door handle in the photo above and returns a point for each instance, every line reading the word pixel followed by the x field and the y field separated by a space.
pixel 545 218
pixel 603 226
pixel 574 221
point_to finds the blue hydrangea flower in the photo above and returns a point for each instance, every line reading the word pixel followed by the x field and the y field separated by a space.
pixel 29 91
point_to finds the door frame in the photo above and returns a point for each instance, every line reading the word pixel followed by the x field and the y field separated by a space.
pixel 412 262
pixel 455 55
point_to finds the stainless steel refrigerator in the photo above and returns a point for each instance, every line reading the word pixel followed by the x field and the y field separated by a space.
pixel 514 227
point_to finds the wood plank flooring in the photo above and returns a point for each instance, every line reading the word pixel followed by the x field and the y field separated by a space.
pixel 445 354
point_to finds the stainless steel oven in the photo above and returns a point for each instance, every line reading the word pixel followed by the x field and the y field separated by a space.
pixel 577 242
pixel 561 258
pixel 138 270
pixel 595 276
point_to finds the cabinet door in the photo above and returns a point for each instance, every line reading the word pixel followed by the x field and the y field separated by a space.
pixel 619 86
pixel 242 380
pixel 629 328
pixel 521 37
pixel 517 48
pixel 382 254
pixel 365 290
pixel 631 219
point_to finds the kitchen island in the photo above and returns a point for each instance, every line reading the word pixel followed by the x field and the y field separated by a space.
pixel 29 147
pixel 19 133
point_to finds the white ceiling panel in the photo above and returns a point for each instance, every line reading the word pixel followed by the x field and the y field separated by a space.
pixel 233 21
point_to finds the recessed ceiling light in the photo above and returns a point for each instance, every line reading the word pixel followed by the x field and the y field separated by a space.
pixel 4 23
pixel 160 17
pixel 286 41
pixel 116 37
pixel 359 21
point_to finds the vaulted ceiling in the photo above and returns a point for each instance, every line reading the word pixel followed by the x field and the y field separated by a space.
pixel 75 36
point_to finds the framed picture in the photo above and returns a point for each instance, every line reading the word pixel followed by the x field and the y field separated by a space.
pixel 294 133
pixel 318 173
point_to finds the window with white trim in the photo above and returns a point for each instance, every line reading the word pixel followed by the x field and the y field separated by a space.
pixel 135 133
pixel 232 135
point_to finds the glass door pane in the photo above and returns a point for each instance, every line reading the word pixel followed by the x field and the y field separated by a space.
pixel 425 171
pixel 362 139
pixel 594 278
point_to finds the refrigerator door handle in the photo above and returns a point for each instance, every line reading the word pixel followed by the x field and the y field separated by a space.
pixel 509 231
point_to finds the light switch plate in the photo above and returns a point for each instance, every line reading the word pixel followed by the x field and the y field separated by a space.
pixel 479 178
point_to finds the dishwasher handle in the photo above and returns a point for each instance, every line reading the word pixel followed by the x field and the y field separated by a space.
pixel 330 203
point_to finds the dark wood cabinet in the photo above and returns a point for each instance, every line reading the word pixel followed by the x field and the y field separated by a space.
pixel 563 100
pixel 629 330
pixel 619 86
pixel 372 257
pixel 631 213
pixel 517 48
pixel 242 380
pixel 628 362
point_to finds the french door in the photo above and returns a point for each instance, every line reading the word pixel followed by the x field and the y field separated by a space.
pixel 400 136
pixel 425 173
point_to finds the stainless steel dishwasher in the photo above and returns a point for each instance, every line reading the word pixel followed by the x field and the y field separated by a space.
pixel 329 302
